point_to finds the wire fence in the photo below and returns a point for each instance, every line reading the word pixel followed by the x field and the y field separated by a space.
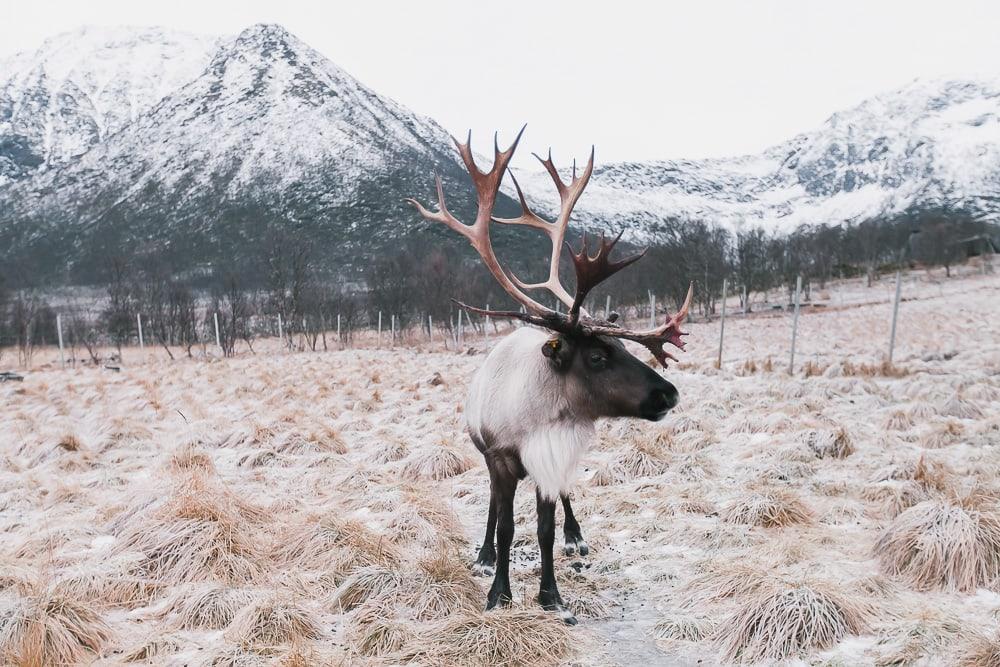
pixel 69 334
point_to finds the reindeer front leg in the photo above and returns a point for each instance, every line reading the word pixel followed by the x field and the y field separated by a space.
pixel 548 591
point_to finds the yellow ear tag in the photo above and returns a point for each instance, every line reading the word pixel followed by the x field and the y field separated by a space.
pixel 553 343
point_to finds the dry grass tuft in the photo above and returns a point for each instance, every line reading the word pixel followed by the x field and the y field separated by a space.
pixel 374 634
pixel 114 583
pixel 644 459
pixel 782 621
pixel 831 444
pixel 769 508
pixel 154 649
pixel 942 434
pixel 199 533
pixel 898 420
pixel 864 369
pixel 684 627
pixel 271 622
pixel 961 407
pixel 208 607
pixel 335 544
pixel 442 585
pixel 982 651
pixel 190 458
pixel 937 544
pixel 49 629
pixel 721 580
pixel 503 638
pixel 440 462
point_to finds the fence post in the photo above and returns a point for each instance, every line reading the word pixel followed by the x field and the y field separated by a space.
pixel 379 329
pixel 430 329
pixel 722 324
pixel 745 296
pixel 607 306
pixel 62 356
pixel 895 313
pixel 138 320
pixel 281 332
pixel 338 327
pixel 218 341
pixel 392 324
pixel 795 323
pixel 652 310
pixel 486 324
pixel 458 339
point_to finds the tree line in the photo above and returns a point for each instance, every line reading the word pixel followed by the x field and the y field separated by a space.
pixel 417 283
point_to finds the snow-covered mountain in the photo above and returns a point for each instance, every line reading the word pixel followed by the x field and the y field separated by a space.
pixel 268 134
pixel 929 144
pixel 79 88
pixel 193 150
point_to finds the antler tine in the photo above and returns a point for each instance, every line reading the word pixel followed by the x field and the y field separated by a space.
pixel 591 271
pixel 652 339
pixel 555 230
pixel 487 185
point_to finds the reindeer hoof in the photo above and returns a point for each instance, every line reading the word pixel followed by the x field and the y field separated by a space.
pixel 562 612
pixel 482 569
pixel 576 545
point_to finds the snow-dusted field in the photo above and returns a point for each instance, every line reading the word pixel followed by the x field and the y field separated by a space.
pixel 322 508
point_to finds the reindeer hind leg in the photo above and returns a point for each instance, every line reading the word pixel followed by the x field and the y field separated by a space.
pixel 574 541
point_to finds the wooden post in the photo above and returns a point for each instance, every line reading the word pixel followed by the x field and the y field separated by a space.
pixel 138 321
pixel 722 324
pixel 62 356
pixel 281 333
pixel 795 324
pixel 745 296
pixel 215 317
pixel 430 329
pixel 379 329
pixel 895 313
pixel 607 306
pixel 652 310
pixel 338 326
pixel 393 334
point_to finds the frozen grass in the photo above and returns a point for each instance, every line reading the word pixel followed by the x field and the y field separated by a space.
pixel 48 629
pixel 782 621
pixel 769 508
pixel 982 651
pixel 505 638
pixel 942 544
pixel 167 500
pixel 272 622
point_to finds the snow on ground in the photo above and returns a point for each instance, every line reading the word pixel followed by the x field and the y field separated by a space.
pixel 322 508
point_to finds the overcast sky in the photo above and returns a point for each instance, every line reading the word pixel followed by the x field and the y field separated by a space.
pixel 640 80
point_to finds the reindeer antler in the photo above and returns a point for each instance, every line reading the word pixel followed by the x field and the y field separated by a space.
pixel 590 270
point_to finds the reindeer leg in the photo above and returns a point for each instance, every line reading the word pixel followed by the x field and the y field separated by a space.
pixel 548 592
pixel 504 485
pixel 487 552
pixel 571 531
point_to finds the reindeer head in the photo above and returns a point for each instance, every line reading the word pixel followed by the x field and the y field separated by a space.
pixel 601 377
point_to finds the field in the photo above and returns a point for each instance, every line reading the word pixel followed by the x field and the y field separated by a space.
pixel 324 508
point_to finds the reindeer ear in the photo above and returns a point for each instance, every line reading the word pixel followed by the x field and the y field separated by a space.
pixel 558 351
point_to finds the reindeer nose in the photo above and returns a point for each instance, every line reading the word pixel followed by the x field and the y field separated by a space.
pixel 664 400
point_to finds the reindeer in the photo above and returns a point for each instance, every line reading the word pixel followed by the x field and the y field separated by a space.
pixel 532 405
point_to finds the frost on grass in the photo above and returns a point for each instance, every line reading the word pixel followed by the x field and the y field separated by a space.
pixel 768 508
pixel 781 621
pixel 272 622
pixel 206 606
pixel 940 544
pixel 48 629
pixel 436 463
pixel 506 637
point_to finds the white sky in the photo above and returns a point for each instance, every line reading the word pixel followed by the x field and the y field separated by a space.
pixel 639 80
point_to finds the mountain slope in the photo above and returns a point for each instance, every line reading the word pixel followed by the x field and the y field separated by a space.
pixel 79 88
pixel 270 135
pixel 929 144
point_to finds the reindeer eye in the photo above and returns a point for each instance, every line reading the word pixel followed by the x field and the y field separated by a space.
pixel 597 359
